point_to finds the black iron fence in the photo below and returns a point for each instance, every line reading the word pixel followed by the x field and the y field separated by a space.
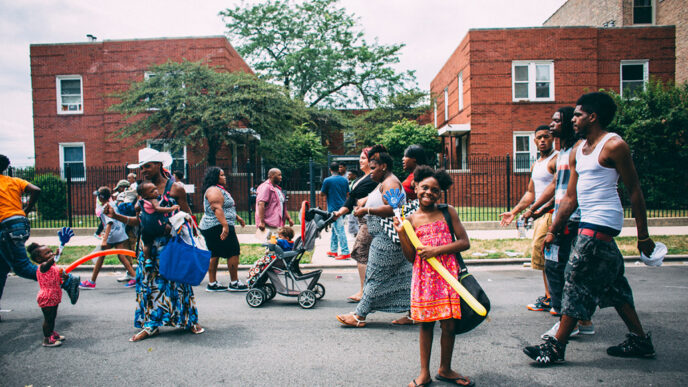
pixel 483 188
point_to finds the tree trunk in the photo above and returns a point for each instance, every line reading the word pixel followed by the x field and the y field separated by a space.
pixel 213 148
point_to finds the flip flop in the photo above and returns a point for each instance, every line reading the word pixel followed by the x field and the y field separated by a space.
pixel 148 333
pixel 412 322
pixel 359 323
pixel 422 384
pixel 453 381
pixel 196 331
pixel 353 300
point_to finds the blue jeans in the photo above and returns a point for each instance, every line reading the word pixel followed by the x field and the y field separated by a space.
pixel 13 236
pixel 339 237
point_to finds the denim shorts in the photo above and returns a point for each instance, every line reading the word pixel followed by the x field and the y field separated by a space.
pixel 594 277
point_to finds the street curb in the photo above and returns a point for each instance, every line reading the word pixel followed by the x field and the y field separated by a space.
pixel 469 262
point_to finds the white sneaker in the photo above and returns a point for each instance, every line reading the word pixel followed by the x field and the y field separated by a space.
pixel 552 332
pixel 126 278
pixel 587 329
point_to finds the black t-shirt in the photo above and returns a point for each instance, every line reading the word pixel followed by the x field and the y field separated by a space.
pixel 362 188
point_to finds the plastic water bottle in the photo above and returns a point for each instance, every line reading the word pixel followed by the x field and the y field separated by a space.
pixel 273 239
pixel 520 225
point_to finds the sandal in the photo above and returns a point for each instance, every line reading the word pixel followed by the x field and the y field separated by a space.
pixel 469 383
pixel 359 323
pixel 197 329
pixel 422 384
pixel 406 320
pixel 144 334
pixel 353 299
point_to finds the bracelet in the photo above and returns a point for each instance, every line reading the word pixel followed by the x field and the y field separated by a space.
pixel 644 240
pixel 368 208
pixel 550 233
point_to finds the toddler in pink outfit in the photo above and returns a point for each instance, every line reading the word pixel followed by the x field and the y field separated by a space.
pixel 50 294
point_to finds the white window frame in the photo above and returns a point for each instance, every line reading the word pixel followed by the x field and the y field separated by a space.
pixel 446 104
pixel 460 89
pixel 463 160
pixel 653 5
pixel 532 80
pixel 434 105
pixel 646 72
pixel 532 150
pixel 166 148
pixel 58 89
pixel 62 145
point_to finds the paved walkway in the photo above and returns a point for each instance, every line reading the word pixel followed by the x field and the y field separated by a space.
pixel 322 244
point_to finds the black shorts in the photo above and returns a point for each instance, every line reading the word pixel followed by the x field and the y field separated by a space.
pixel 221 248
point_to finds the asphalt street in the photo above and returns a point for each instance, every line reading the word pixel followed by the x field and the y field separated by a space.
pixel 281 344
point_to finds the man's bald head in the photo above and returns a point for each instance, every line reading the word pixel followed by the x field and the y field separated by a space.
pixel 275 175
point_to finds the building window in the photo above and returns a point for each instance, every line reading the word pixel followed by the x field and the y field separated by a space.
pixel 643 12
pixel 462 152
pixel 70 95
pixel 73 158
pixel 434 106
pixel 178 156
pixel 446 104
pixel 634 76
pixel 460 89
pixel 532 81
pixel 524 151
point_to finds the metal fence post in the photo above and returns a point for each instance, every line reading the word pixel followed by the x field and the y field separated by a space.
pixel 311 181
pixel 508 182
pixel 249 186
pixel 68 173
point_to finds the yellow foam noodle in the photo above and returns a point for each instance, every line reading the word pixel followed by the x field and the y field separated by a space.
pixel 445 274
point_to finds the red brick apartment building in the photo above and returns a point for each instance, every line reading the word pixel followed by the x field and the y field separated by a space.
pixel 500 84
pixel 71 85
pixel 621 13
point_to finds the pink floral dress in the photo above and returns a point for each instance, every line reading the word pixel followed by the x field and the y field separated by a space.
pixel 50 293
pixel 432 298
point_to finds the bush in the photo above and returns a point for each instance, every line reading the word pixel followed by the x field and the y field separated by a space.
pixel 52 202
pixel 406 132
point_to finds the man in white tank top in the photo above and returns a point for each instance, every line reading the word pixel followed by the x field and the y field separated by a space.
pixel 541 175
pixel 595 272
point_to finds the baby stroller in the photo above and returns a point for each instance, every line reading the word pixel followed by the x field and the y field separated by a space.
pixel 278 271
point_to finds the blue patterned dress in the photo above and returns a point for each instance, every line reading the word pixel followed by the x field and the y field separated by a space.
pixel 160 302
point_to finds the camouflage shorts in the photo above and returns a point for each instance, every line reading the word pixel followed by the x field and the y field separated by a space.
pixel 594 277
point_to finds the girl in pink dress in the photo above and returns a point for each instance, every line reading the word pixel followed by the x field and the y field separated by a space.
pixel 50 294
pixel 432 298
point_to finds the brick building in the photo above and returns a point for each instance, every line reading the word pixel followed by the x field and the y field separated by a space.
pixel 621 13
pixel 500 84
pixel 71 84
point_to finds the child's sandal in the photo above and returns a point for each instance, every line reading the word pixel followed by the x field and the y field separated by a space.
pixel 144 334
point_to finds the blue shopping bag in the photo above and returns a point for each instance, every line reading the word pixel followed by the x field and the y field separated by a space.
pixel 182 262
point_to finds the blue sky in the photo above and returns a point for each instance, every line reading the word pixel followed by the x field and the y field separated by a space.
pixel 431 30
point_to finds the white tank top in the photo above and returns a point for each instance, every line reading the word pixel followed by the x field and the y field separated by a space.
pixel 598 198
pixel 541 176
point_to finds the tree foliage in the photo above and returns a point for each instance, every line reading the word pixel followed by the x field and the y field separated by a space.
pixel 52 202
pixel 406 132
pixel 293 150
pixel 654 123
pixel 316 50
pixel 189 103
pixel 369 127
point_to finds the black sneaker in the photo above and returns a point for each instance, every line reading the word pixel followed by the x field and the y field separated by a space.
pixel 237 287
pixel 71 286
pixel 634 346
pixel 542 304
pixel 547 353
pixel 215 287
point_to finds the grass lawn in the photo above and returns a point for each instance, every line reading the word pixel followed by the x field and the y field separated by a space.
pixel 249 254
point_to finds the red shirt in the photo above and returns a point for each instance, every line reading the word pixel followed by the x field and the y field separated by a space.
pixel 408 187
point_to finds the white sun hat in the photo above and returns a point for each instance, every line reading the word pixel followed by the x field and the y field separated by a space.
pixel 149 155
pixel 657 256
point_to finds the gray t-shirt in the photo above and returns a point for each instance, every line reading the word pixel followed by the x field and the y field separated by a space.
pixel 228 207
pixel 118 234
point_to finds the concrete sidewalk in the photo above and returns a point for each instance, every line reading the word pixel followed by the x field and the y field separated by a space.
pixel 322 244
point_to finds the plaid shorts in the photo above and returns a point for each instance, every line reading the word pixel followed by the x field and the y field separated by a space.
pixel 594 277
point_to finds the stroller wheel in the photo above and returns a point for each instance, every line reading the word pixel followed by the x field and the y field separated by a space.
pixel 307 299
pixel 255 297
pixel 270 291
pixel 319 290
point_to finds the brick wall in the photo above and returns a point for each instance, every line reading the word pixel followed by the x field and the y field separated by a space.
pixel 675 12
pixel 107 67
pixel 587 13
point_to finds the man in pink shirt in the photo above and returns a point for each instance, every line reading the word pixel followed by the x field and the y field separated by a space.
pixel 270 210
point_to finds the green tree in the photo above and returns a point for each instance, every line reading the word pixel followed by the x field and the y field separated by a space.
pixel 189 103
pixel 52 202
pixel 654 123
pixel 406 132
pixel 370 126
pixel 293 150
pixel 316 50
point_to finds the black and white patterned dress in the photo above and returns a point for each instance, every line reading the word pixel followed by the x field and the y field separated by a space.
pixel 387 286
